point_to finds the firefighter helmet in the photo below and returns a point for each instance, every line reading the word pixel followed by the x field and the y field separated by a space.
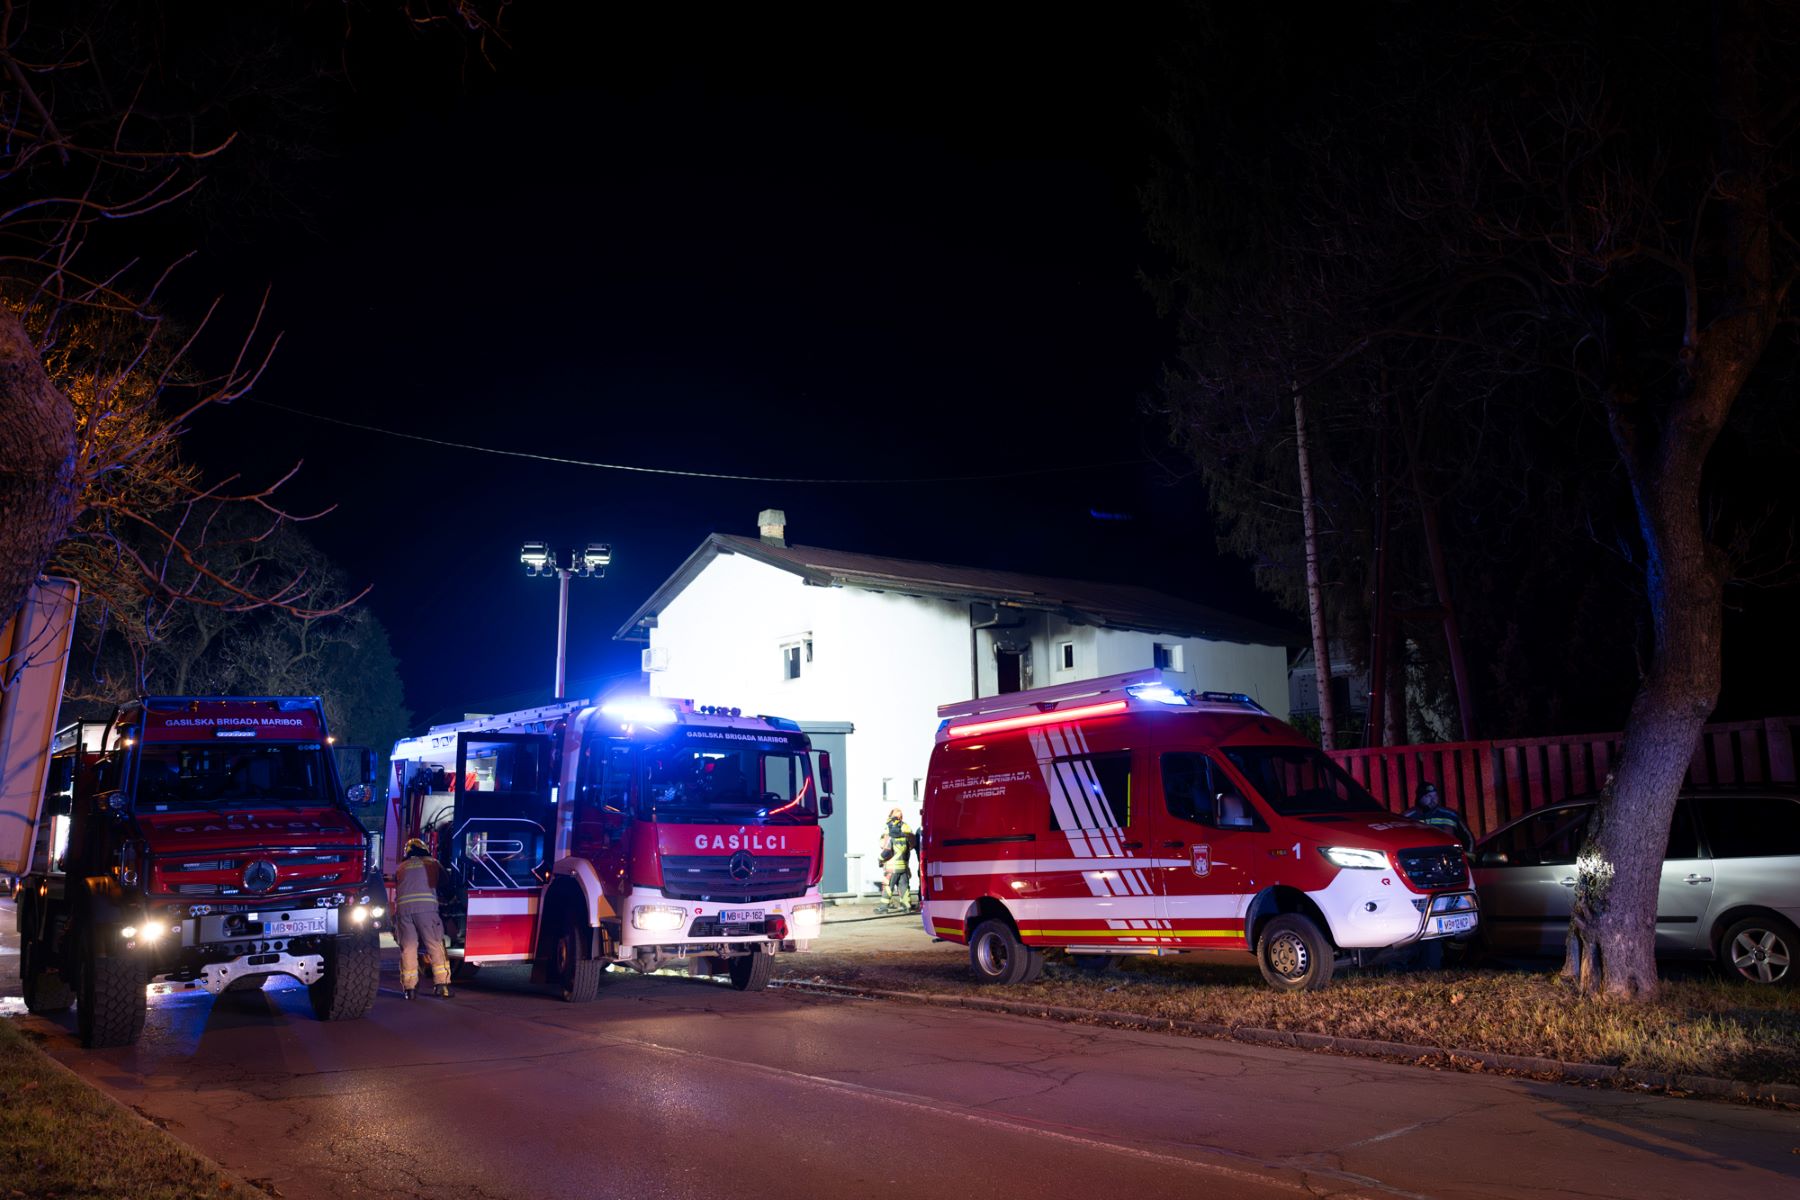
pixel 416 848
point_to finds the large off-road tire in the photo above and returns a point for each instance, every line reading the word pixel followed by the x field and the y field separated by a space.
pixel 996 955
pixel 751 972
pixel 577 975
pixel 1294 955
pixel 110 1002
pixel 45 991
pixel 1761 950
pixel 352 975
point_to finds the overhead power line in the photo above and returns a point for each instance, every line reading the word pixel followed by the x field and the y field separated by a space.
pixel 687 474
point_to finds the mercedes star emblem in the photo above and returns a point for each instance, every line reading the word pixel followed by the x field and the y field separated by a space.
pixel 743 865
pixel 259 876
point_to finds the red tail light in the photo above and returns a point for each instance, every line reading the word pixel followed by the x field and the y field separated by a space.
pixel 776 927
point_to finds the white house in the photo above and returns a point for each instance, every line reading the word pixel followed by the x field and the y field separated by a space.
pixel 862 649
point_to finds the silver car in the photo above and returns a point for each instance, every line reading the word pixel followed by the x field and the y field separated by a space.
pixel 1730 881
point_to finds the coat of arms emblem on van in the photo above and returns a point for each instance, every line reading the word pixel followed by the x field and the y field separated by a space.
pixel 1202 860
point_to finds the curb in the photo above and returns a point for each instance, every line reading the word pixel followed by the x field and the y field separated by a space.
pixel 1786 1094
pixel 231 1177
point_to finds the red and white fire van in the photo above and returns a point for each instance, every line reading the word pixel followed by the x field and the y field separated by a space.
pixel 1120 816
pixel 646 833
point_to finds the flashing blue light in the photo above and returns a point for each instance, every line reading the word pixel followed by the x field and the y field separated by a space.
pixel 640 710
pixel 1158 693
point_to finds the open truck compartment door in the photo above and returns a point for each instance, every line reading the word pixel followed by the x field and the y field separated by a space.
pixel 500 840
pixel 34 652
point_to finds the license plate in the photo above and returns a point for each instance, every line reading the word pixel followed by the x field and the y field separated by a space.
pixel 295 926
pixel 1456 924
pixel 740 916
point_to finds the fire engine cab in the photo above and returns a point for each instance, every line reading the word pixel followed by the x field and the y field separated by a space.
pixel 1120 816
pixel 649 834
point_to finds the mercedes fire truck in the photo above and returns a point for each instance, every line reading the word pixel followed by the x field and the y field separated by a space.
pixel 196 843
pixel 646 834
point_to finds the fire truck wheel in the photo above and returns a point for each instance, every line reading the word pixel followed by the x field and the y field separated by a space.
pixel 578 976
pixel 752 972
pixel 1034 966
pixel 462 970
pixel 996 955
pixel 1294 955
pixel 44 992
pixel 352 975
pixel 110 1002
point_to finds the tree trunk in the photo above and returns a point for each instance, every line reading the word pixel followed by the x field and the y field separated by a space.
pixel 1315 595
pixel 1611 945
pixel 39 488
pixel 1379 601
pixel 1440 579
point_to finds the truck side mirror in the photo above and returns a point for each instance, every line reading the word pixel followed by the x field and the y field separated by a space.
pixel 826 787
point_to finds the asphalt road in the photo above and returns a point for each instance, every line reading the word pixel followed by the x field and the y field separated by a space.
pixel 671 1088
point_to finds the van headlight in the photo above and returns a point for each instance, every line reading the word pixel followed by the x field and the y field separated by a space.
pixel 806 919
pixel 1356 857
pixel 658 918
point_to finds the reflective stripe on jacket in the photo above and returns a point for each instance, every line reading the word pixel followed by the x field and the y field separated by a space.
pixel 415 882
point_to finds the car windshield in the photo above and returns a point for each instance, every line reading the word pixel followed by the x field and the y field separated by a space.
pixel 1299 781
pixel 176 776
pixel 727 775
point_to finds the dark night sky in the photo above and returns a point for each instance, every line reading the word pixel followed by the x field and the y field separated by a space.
pixel 758 250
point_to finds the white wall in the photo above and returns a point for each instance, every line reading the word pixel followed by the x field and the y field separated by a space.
pixel 884 662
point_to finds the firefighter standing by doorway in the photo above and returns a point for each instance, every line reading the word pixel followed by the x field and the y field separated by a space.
pixel 896 864
pixel 416 919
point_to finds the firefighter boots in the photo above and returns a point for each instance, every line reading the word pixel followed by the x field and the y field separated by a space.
pixel 406 994
pixel 443 991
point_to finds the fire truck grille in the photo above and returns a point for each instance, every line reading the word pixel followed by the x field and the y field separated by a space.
pixel 225 876
pixel 709 877
pixel 1433 867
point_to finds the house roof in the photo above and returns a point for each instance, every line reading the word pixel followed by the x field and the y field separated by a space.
pixel 1112 606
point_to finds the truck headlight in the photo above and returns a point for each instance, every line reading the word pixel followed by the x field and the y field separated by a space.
pixel 359 914
pixel 1356 857
pixel 658 918
pixel 806 919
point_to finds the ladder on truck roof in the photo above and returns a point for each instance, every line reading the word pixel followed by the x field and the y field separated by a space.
pixel 1145 690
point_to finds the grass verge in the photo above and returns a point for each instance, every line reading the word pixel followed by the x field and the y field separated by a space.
pixel 62 1140
pixel 1699 1024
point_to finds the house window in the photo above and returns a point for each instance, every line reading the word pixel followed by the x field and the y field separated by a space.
pixel 1168 656
pixel 1065 655
pixel 795 655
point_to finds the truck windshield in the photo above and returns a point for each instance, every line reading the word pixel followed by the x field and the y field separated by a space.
pixel 1299 781
pixel 175 776
pixel 725 775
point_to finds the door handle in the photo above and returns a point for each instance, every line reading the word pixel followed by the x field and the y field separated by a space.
pixel 1131 845
pixel 1173 845
pixel 1697 879
pixel 1567 881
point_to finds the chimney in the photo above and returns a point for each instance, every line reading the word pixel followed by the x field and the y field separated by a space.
pixel 771 523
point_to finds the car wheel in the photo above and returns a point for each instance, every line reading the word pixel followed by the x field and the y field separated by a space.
pixel 995 953
pixel 1761 950
pixel 1294 955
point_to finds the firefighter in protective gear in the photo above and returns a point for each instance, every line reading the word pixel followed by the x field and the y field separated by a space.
pixel 896 866
pixel 416 919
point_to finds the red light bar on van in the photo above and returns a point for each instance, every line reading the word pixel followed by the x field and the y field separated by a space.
pixel 1043 718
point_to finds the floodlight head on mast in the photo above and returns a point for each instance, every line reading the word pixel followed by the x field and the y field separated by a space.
pixel 594 560
pixel 537 558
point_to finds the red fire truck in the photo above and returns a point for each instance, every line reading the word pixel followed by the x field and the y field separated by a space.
pixel 1120 816
pixel 196 843
pixel 647 833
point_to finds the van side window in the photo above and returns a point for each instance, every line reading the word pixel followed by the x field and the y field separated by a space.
pixel 1091 792
pixel 1195 789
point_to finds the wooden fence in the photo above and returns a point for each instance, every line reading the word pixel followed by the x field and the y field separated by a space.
pixel 1491 783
